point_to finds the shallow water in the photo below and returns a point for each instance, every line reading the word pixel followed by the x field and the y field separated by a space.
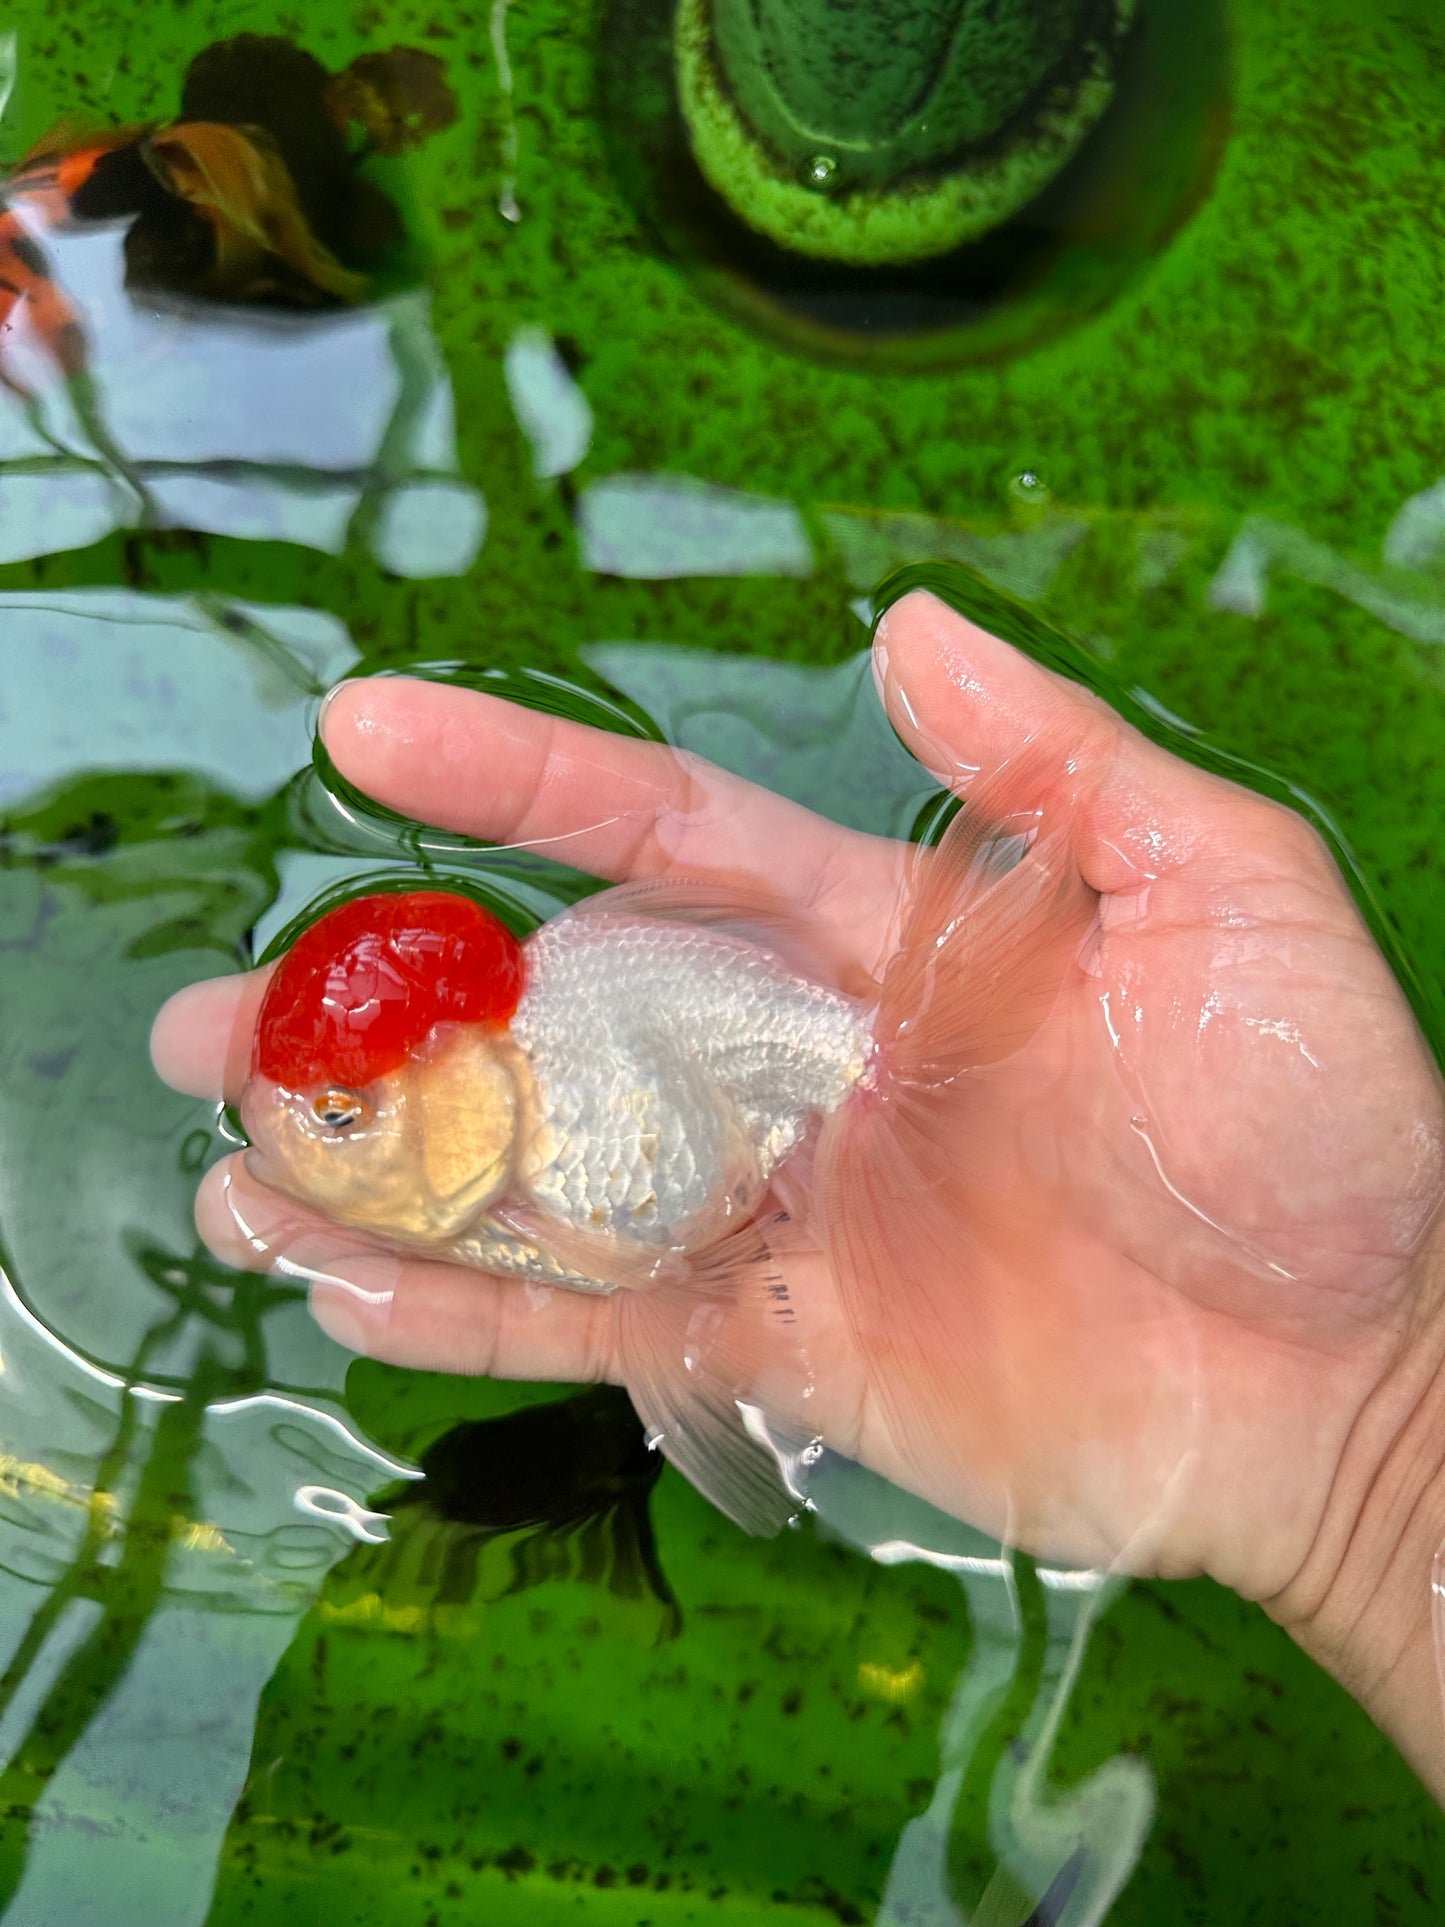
pixel 596 458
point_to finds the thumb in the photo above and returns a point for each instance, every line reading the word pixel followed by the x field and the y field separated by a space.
pixel 968 706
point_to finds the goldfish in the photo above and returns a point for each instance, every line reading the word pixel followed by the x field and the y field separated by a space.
pixel 250 195
pixel 652 1094
pixel 41 192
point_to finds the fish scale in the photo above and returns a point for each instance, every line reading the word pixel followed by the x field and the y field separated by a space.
pixel 672 1066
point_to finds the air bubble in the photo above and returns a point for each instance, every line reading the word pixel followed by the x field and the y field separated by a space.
pixel 820 171
pixel 1029 486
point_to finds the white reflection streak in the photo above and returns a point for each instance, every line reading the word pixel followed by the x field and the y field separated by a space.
pixel 281 1403
pixel 540 842
pixel 340 1509
pixel 9 46
pixel 901 1552
pixel 507 200
pixel 1141 1130
pixel 159 1395
pixel 22 1311
pixel 381 834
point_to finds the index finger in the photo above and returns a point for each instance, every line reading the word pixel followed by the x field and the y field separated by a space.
pixel 612 805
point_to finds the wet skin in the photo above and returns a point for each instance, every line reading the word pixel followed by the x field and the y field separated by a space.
pixel 1197 1312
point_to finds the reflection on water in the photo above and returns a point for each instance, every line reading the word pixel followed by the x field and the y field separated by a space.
pixel 227 1694
pixel 551 409
pixel 177 1511
pixel 655 526
pixel 1063 1857
pixel 183 683
pixel 282 427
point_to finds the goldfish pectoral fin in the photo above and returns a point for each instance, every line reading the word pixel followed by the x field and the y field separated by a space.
pixel 715 1369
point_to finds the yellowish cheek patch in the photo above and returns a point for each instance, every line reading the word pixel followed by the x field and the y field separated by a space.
pixel 470 1116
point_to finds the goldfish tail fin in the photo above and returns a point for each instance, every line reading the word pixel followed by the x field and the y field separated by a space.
pixel 714 1366
pixel 239 180
pixel 997 916
pixel 998 921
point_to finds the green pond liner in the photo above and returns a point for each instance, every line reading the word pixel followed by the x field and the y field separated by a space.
pixel 586 444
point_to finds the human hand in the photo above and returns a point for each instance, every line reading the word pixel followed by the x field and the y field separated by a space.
pixel 1196 1322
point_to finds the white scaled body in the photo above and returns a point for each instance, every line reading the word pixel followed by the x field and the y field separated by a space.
pixel 671 1070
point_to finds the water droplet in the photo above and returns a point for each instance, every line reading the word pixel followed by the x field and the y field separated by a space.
pixel 1029 486
pixel 820 171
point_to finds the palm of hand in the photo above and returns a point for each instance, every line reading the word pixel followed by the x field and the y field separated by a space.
pixel 1179 1221
pixel 1184 1217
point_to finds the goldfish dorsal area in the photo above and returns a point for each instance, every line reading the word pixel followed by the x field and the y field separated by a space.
pixel 674 1068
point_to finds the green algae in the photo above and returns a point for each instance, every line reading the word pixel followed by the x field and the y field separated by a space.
pixel 941 142
pixel 1235 457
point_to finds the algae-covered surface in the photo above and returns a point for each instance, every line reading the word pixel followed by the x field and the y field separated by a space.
pixel 562 450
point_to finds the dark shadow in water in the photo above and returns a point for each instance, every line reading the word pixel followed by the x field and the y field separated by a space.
pixel 1050 1910
pixel 553 1491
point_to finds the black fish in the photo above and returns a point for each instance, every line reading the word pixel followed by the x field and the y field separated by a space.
pixel 556 1491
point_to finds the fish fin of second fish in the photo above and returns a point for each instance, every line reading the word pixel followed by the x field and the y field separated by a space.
pixel 999 919
pixel 239 179
pixel 716 1370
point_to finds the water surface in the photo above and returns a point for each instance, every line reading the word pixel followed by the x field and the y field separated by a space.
pixel 586 457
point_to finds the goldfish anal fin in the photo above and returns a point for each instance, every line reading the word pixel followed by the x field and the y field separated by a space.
pixel 717 1372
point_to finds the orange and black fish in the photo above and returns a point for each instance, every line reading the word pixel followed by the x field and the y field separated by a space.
pixel 251 195
pixel 39 194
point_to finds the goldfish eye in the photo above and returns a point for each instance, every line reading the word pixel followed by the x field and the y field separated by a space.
pixel 341 1109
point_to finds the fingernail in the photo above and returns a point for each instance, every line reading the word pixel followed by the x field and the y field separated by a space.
pixel 349 1317
pixel 880 659
pixel 353 1305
